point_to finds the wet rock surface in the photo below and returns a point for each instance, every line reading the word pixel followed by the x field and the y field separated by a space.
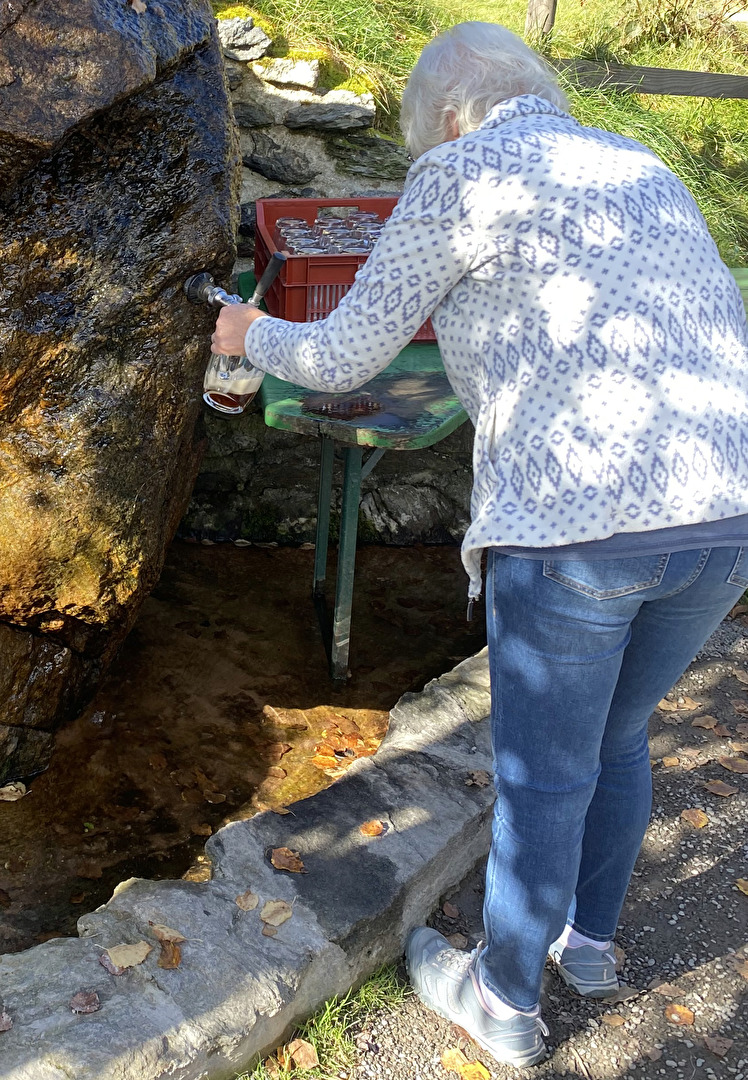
pixel 101 356
pixel 213 709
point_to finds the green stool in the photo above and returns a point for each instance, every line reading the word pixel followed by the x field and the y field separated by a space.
pixel 417 408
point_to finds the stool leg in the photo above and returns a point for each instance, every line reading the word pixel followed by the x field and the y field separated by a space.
pixel 327 453
pixel 341 627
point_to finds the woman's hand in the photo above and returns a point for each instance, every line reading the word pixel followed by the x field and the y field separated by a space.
pixel 233 323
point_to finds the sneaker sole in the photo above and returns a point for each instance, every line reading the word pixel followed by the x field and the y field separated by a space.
pixel 590 990
pixel 519 1061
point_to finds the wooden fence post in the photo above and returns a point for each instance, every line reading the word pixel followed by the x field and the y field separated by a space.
pixel 541 15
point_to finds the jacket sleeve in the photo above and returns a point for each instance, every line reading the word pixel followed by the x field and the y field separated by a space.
pixel 427 245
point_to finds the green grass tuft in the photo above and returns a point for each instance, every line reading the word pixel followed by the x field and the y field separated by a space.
pixel 332 1029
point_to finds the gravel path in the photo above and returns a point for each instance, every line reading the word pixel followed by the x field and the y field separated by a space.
pixel 683 937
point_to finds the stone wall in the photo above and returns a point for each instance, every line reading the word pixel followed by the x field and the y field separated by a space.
pixel 301 138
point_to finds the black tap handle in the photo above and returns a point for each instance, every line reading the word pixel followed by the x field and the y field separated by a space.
pixel 273 268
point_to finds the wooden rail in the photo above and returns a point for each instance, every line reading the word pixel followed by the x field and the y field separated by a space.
pixel 652 80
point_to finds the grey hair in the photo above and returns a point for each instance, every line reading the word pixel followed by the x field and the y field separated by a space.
pixel 462 74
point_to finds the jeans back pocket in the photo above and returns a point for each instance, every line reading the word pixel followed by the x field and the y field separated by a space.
pixel 739 570
pixel 604 579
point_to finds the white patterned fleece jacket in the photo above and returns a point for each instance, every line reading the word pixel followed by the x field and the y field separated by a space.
pixel 585 320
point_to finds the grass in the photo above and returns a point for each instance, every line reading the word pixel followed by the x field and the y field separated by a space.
pixel 331 1031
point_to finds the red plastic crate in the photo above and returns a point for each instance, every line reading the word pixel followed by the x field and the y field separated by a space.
pixel 310 286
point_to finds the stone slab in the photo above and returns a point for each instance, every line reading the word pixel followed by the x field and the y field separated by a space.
pixel 237 994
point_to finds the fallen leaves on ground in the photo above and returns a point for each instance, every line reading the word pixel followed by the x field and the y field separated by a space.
pixel 202 829
pixel 478 778
pixel 276 912
pixel 734 764
pixel 121 957
pixel 686 704
pixel 741 966
pixel 707 722
pixel 283 858
pixel 372 828
pixel 294 719
pixel 247 901
pixel 742 729
pixel 679 1014
pixel 6 1021
pixel 157 761
pixel 620 956
pixel 694 817
pixel 742 884
pixel 170 956
pixel 269 931
pixel 302 1054
pixel 450 910
pixel 276 750
pixel 739 673
pixel 277 772
pixel 719 787
pixel 138 6
pixel 457 941
pixel 85 1001
pixel 739 747
pixel 718 1044
pixel 670 762
pixel 13 792
pixel 454 1060
pixel 740 706
pixel 613 1019
pixel 723 731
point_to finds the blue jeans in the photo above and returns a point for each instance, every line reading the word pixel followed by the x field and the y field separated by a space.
pixel 580 654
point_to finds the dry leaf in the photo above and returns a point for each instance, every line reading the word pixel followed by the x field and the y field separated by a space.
pixel 450 910
pixel 742 884
pixel 670 762
pixel 269 931
pixel 12 792
pixel 202 829
pixel 673 718
pixel 694 817
pixel 272 1067
pixel 654 1054
pixel 165 933
pixel 276 750
pixel 668 990
pixel 6 1021
pixel 372 828
pixel 248 900
pixel 620 956
pixel 277 772
pixel 214 797
pixel 722 730
pixel 718 1044
pixel 742 729
pixel 719 787
pixel 478 778
pixel 171 955
pixel 686 705
pixel 740 706
pixel 457 941
pixel 138 6
pixel 157 761
pixel 302 1054
pixel 474 1070
pixel 741 966
pixel 679 1014
pixel 85 1001
pixel 623 993
pixel 739 747
pixel 283 858
pixel 613 1019
pixel 453 1059
pixel 126 956
pixel 708 722
pixel 739 674
pixel 276 912
pixel 734 764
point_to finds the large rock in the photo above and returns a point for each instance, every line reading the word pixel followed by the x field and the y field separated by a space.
pixel 283 164
pixel 369 155
pixel 101 356
pixel 332 115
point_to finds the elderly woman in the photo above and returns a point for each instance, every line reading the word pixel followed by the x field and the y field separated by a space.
pixel 599 345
